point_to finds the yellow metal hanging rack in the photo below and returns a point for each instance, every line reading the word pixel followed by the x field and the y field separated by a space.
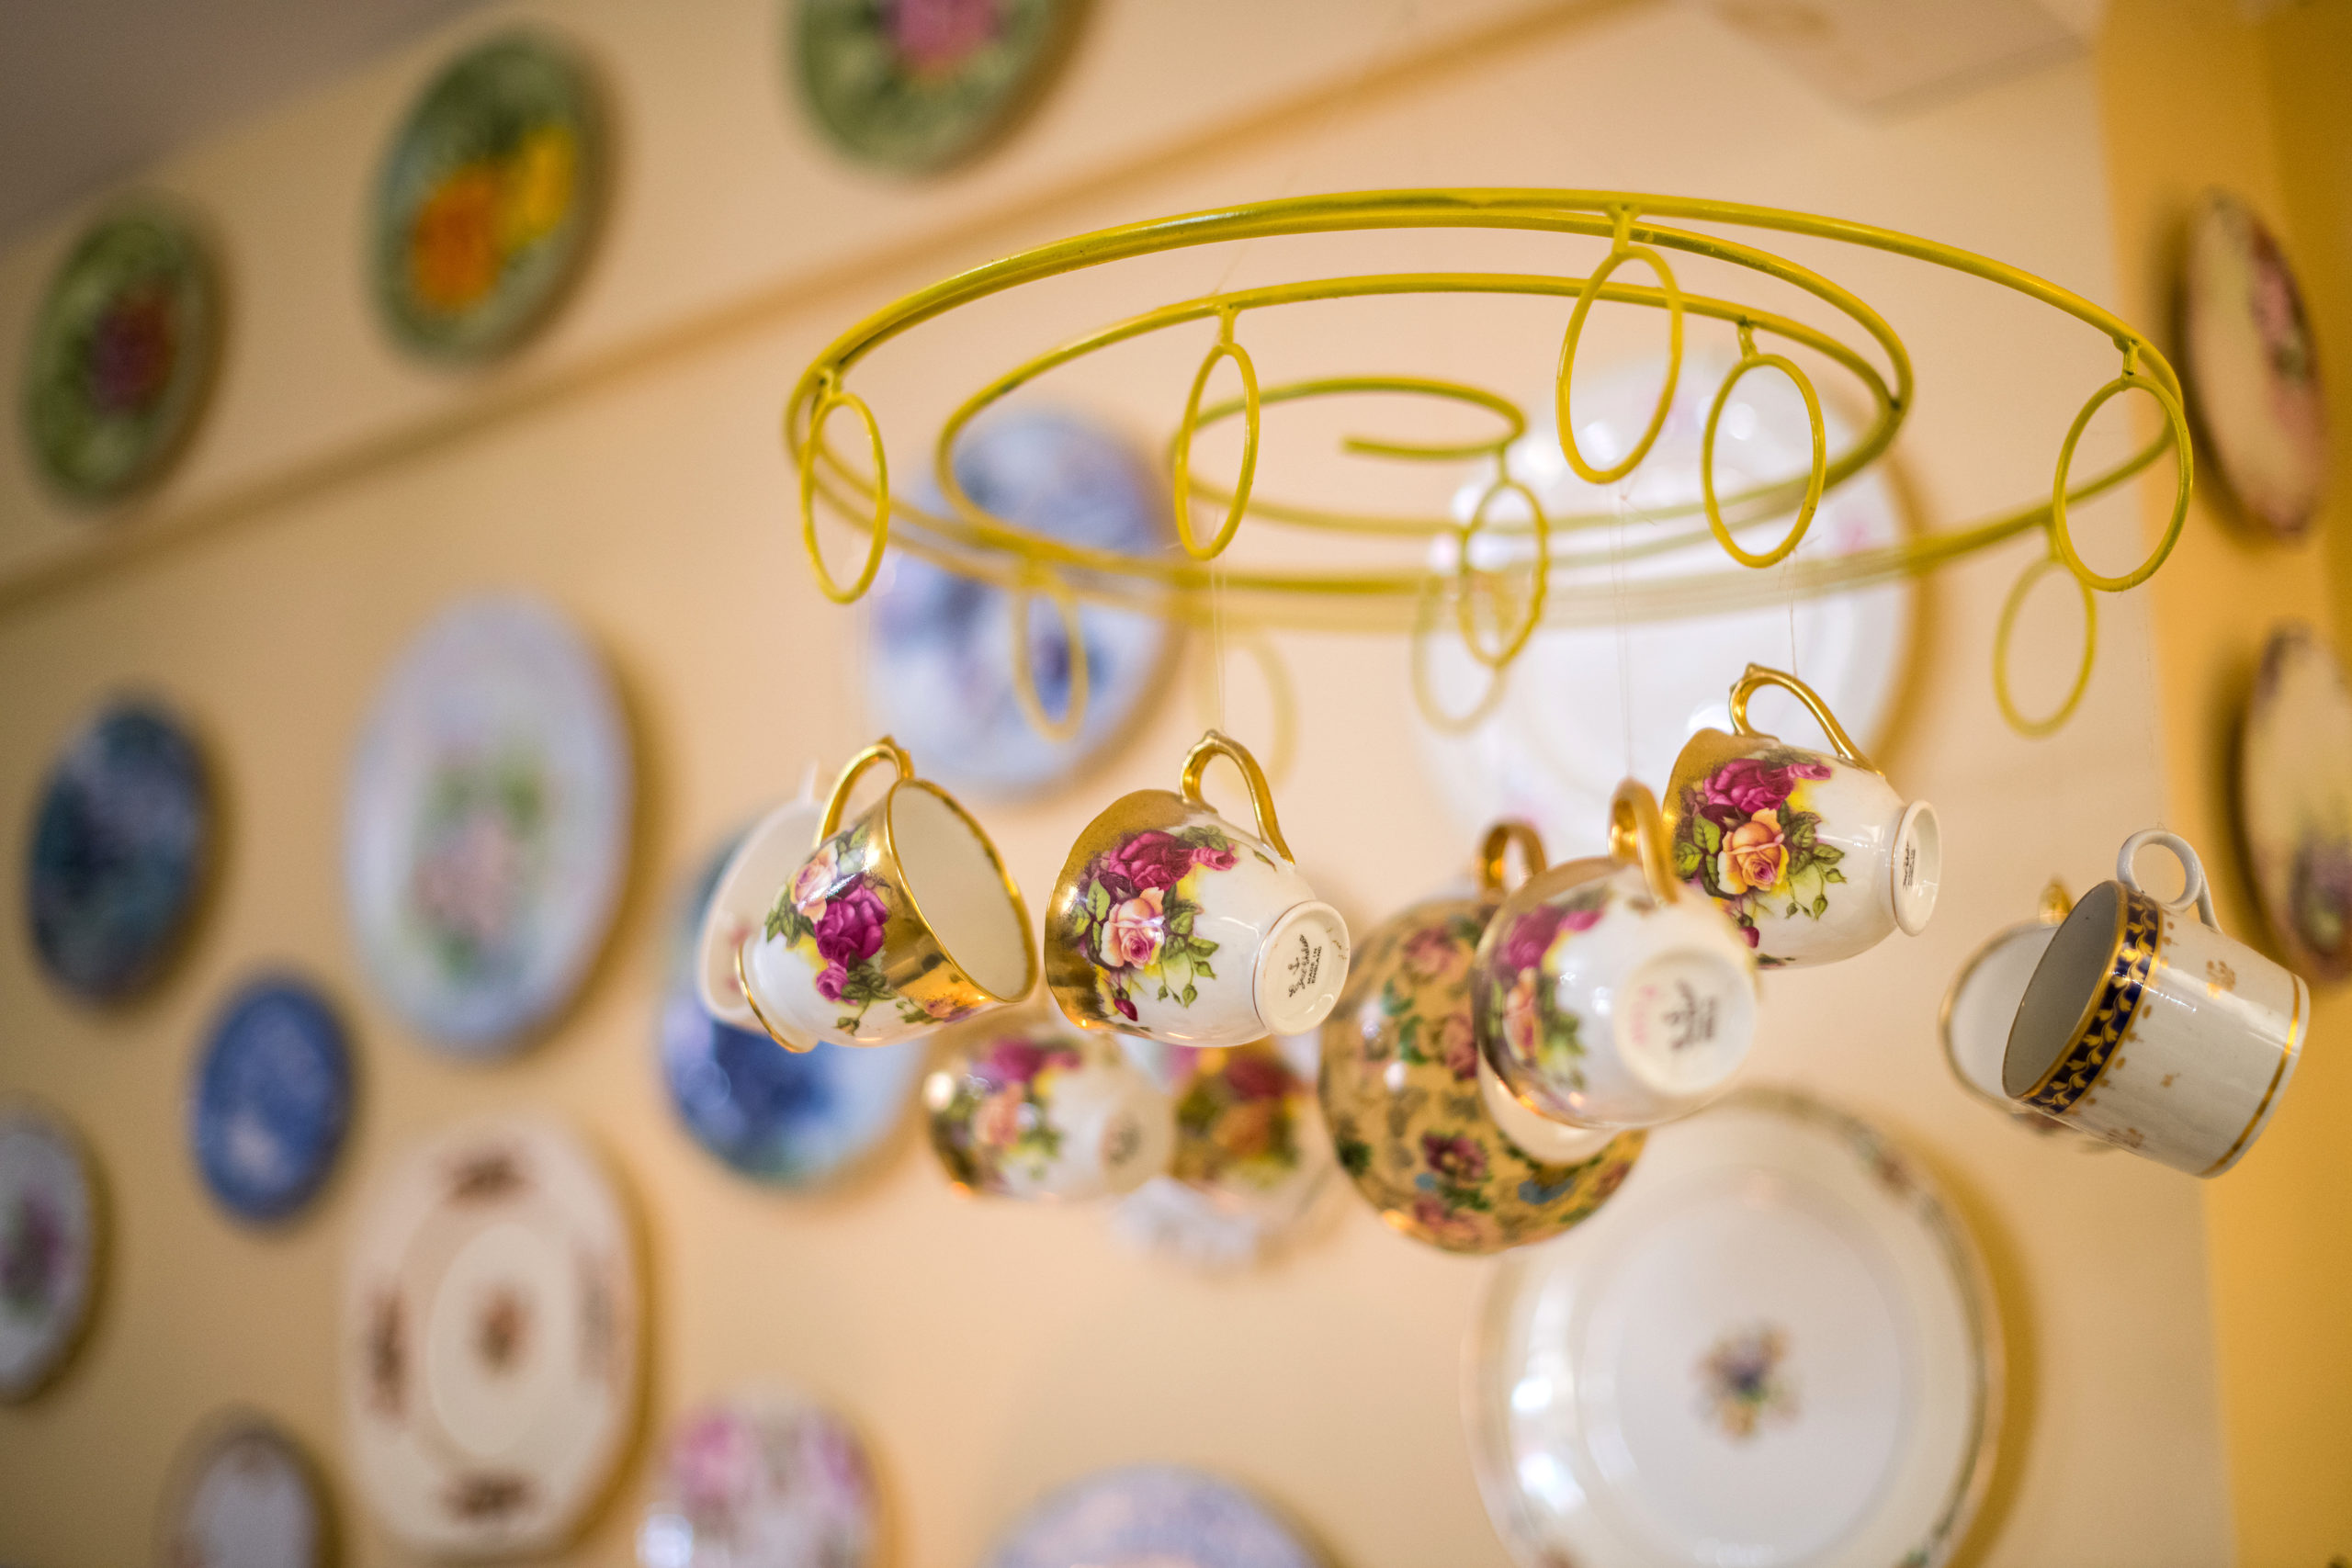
pixel 965 537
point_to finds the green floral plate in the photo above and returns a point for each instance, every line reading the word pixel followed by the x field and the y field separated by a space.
pixel 121 354
pixel 489 198
pixel 915 86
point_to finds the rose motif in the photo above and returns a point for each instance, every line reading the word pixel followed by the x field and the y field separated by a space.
pixel 716 1463
pixel 1133 931
pixel 1746 785
pixel 1253 1077
pixel 1147 862
pixel 996 1122
pixel 1523 1021
pixel 1012 1060
pixel 1433 1215
pixel 815 880
pixel 1213 857
pixel 934 37
pixel 1431 955
pixel 1460 1160
pixel 849 935
pixel 1530 938
pixel 1755 854
pixel 1457 1046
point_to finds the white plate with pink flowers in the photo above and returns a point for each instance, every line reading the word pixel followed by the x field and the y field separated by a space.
pixel 761 1479
pixel 487 827
pixel 1775 1347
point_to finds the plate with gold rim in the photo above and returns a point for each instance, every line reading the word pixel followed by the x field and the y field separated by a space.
pixel 2294 799
pixel 50 1245
pixel 1777 1346
pixel 243 1495
pixel 491 1339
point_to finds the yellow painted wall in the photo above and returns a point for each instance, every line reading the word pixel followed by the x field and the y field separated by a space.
pixel 625 465
pixel 2199 95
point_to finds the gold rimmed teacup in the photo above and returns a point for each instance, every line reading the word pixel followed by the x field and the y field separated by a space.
pixel 902 920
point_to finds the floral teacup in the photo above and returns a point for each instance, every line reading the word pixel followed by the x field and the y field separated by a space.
pixel 1605 996
pixel 1046 1112
pixel 1813 855
pixel 769 855
pixel 901 921
pixel 1402 1079
pixel 1172 923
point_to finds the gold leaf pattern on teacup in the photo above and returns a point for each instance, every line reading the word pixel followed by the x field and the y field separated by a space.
pixel 2219 977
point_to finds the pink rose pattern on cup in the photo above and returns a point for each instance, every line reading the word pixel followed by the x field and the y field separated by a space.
pixel 1537 1033
pixel 833 915
pixel 1001 1115
pixel 1745 840
pixel 1400 1091
pixel 1237 1121
pixel 1135 923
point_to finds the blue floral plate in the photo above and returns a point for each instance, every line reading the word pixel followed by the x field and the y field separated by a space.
pixel 792 1120
pixel 1162 1514
pixel 941 646
pixel 119 849
pixel 271 1100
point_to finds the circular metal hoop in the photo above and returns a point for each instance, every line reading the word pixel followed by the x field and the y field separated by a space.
pixel 1024 673
pixel 2050 723
pixel 1622 252
pixel 1465 575
pixel 1416 658
pixel 877 530
pixel 1180 457
pixel 1722 530
pixel 2062 538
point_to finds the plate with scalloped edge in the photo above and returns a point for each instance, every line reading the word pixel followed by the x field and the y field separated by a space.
pixel 1777 1346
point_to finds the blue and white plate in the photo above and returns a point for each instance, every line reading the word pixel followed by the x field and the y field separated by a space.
pixel 1163 1515
pixel 941 646
pixel 794 1120
pixel 271 1100
pixel 118 852
pixel 486 831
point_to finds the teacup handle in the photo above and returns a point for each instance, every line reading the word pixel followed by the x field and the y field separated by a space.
pixel 1637 836
pixel 1496 846
pixel 1215 744
pixel 2194 892
pixel 1758 676
pixel 884 749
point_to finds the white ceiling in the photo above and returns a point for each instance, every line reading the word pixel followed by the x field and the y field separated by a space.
pixel 93 91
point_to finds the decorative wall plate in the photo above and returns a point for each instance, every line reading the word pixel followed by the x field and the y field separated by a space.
pixel 1776 1345
pixel 486 832
pixel 941 648
pixel 1159 1515
pixel 793 1119
pixel 243 1495
pixel 271 1099
pixel 2253 366
pixel 50 1240
pixel 761 1480
pixel 491 1340
pixel 916 85
pixel 2294 800
pixel 119 848
pixel 121 355
pixel 489 198
pixel 1555 745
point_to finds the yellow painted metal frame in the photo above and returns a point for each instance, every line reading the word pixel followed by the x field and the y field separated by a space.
pixel 965 537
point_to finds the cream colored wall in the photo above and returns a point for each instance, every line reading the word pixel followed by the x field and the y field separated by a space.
pixel 628 468
pixel 2199 95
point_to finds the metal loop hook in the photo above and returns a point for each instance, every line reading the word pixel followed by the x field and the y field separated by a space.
pixel 1464 575
pixel 1031 579
pixel 2035 728
pixel 1621 251
pixel 1752 360
pixel 1180 450
pixel 878 529
pixel 2062 538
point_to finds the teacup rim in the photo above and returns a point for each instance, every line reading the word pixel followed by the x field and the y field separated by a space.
pixel 880 810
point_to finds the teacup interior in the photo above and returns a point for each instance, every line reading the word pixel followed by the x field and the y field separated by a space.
pixel 954 880
pixel 2063 985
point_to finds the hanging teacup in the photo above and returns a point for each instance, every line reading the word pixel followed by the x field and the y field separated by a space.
pixel 901 921
pixel 1036 1109
pixel 1171 922
pixel 1402 1085
pixel 2149 1028
pixel 1814 854
pixel 1604 996
pixel 1981 1004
